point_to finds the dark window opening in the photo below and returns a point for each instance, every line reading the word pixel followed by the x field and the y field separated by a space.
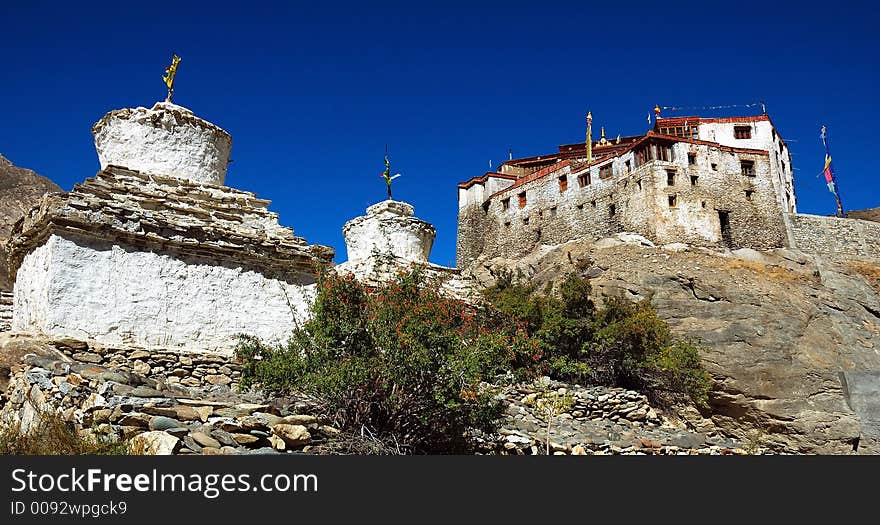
pixel 714 167
pixel 580 207
pixel 611 209
pixel 694 180
pixel 672 199
pixel 703 204
pixel 593 203
pixel 692 158
pixel 749 194
pixel 670 178
pixel 507 224
pixel 505 204
pixel 742 132
pixel 553 211
pixel 522 200
pixel 628 166
pixel 639 183
pixel 526 220
pixel 747 167
pixel 584 179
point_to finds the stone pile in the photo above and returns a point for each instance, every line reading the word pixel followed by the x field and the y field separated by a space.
pixel 155 415
pixel 5 311
pixel 592 420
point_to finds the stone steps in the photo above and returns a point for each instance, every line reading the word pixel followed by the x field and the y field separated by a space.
pixel 5 311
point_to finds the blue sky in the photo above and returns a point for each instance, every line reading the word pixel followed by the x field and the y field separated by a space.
pixel 312 92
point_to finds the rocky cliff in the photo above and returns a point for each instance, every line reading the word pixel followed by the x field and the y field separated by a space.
pixel 19 190
pixel 792 341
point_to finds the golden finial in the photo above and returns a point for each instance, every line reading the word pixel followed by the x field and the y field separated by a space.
pixel 168 78
pixel 589 136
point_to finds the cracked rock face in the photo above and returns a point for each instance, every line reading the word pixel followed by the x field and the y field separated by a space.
pixel 167 140
pixel 792 341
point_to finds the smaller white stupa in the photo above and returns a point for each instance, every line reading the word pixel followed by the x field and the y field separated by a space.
pixel 388 240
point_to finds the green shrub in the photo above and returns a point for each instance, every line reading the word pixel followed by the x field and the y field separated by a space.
pixel 402 361
pixel 621 344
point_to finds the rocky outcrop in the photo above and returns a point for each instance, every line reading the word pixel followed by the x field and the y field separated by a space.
pixel 791 340
pixel 20 189
pixel 869 214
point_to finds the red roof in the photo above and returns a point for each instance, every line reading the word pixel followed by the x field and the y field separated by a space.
pixel 484 178
pixel 680 121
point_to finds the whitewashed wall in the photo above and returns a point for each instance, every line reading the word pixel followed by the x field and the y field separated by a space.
pixel 88 289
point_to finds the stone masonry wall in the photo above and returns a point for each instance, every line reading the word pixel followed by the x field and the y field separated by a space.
pixel 5 311
pixel 638 200
pixel 834 237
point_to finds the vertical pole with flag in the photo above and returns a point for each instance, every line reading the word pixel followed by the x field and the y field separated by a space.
pixel 829 172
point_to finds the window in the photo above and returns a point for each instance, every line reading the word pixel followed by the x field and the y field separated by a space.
pixel 553 211
pixel 563 183
pixel 522 200
pixel 639 183
pixel 747 167
pixel 526 220
pixel 507 224
pixel 694 180
pixel 584 179
pixel 714 167
pixel 692 158
pixel 606 171
pixel 749 194
pixel 628 166
pixel 505 204
pixel 611 210
pixel 703 204
pixel 593 203
pixel 672 199
pixel 742 132
pixel 670 178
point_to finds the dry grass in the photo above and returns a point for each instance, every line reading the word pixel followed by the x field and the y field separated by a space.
pixel 771 271
pixel 871 273
pixel 54 437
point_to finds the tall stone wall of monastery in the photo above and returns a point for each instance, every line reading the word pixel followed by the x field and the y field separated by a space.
pixel 706 180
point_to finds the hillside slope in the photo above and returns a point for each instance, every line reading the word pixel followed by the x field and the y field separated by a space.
pixel 20 189
pixel 793 342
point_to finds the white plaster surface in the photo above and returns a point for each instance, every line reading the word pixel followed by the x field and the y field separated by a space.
pixel 90 289
pixel 165 140
pixel 389 229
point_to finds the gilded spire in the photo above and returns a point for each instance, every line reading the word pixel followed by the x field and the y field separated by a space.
pixel 168 78
pixel 589 136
